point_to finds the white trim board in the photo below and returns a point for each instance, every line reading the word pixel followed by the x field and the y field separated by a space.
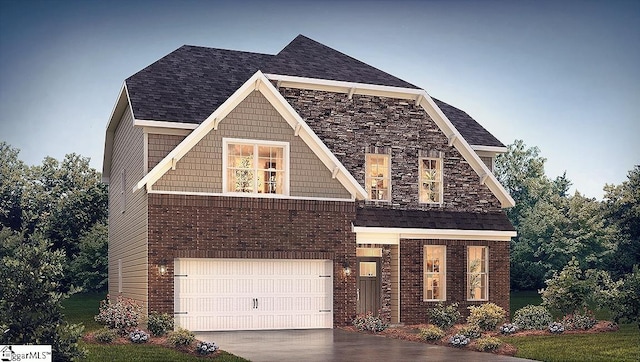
pixel 249 196
pixel 365 235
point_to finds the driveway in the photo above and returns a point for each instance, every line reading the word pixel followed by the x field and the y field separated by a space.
pixel 323 345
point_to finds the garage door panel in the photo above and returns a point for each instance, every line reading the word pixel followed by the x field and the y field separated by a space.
pixel 248 294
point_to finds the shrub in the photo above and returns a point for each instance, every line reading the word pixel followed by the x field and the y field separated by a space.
pixel 138 336
pixel 431 333
pixel 369 322
pixel 159 324
pixel 205 348
pixel 486 316
pixel 444 317
pixel 567 291
pixel 470 330
pixel 459 340
pixel 488 344
pixel 122 315
pixel 180 337
pixel 556 328
pixel 508 328
pixel 105 335
pixel 584 320
pixel 532 317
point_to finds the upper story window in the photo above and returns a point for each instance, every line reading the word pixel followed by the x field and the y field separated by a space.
pixel 477 275
pixel 434 272
pixel 378 176
pixel 258 167
pixel 430 169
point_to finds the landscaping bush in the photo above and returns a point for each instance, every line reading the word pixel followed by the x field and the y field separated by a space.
pixel 105 335
pixel 471 330
pixel 369 322
pixel 579 320
pixel 486 316
pixel 556 328
pixel 123 315
pixel 532 317
pixel 205 348
pixel 180 337
pixel 159 324
pixel 459 340
pixel 568 290
pixel 138 336
pixel 431 333
pixel 444 317
pixel 508 328
pixel 488 344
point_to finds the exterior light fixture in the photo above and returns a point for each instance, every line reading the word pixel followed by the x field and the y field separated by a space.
pixel 162 269
pixel 346 268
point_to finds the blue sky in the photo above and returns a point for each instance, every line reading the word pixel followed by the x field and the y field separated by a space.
pixel 561 75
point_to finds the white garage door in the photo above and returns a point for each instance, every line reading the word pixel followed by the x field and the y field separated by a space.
pixel 249 294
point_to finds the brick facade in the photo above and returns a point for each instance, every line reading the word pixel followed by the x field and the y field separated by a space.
pixel 232 227
pixel 413 308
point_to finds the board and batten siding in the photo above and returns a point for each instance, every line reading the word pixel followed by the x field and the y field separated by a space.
pixel 200 170
pixel 128 222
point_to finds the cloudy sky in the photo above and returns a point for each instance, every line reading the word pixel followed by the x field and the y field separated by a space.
pixel 561 75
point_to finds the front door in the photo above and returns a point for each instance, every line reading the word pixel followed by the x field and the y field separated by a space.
pixel 368 285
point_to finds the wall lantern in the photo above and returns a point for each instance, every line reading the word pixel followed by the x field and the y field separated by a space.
pixel 346 268
pixel 162 269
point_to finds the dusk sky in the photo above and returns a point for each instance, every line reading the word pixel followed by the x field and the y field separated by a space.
pixel 561 75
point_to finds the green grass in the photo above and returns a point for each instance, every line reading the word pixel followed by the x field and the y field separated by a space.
pixel 81 308
pixel 621 345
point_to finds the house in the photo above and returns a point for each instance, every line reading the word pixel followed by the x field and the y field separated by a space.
pixel 296 190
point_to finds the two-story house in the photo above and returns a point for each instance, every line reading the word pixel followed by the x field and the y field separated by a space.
pixel 296 190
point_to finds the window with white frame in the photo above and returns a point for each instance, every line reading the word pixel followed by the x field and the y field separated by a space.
pixel 378 176
pixel 258 167
pixel 435 272
pixel 430 170
pixel 477 275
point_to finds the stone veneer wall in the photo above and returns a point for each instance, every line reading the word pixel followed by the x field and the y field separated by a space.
pixel 350 126
pixel 233 227
pixel 414 309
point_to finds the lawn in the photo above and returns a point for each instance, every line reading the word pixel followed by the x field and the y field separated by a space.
pixel 621 345
pixel 81 308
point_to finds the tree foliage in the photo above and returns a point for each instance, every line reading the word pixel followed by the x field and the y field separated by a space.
pixel 30 307
pixel 12 183
pixel 90 265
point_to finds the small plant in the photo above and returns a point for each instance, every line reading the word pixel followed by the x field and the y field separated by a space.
pixel 444 317
pixel 556 328
pixel 584 320
pixel 532 317
pixel 138 336
pixel 369 322
pixel 431 333
pixel 471 330
pixel 122 315
pixel 459 340
pixel 159 324
pixel 205 348
pixel 508 328
pixel 488 344
pixel 180 337
pixel 105 335
pixel 486 316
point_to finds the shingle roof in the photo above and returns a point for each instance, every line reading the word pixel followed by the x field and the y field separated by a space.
pixel 431 219
pixel 188 84
pixel 471 130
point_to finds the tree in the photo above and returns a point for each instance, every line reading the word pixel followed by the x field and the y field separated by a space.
pixel 90 266
pixel 626 301
pixel 30 306
pixel 567 291
pixel 12 181
pixel 621 207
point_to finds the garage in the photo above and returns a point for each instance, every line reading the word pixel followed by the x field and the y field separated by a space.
pixel 253 294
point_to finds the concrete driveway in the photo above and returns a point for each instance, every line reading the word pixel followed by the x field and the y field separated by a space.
pixel 324 345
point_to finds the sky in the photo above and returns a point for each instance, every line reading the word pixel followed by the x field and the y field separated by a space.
pixel 563 76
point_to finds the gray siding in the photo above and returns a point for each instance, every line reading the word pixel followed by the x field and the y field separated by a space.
pixel 128 223
pixel 200 170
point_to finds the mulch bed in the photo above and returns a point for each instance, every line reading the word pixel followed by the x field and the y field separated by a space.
pixel 410 333
pixel 159 341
